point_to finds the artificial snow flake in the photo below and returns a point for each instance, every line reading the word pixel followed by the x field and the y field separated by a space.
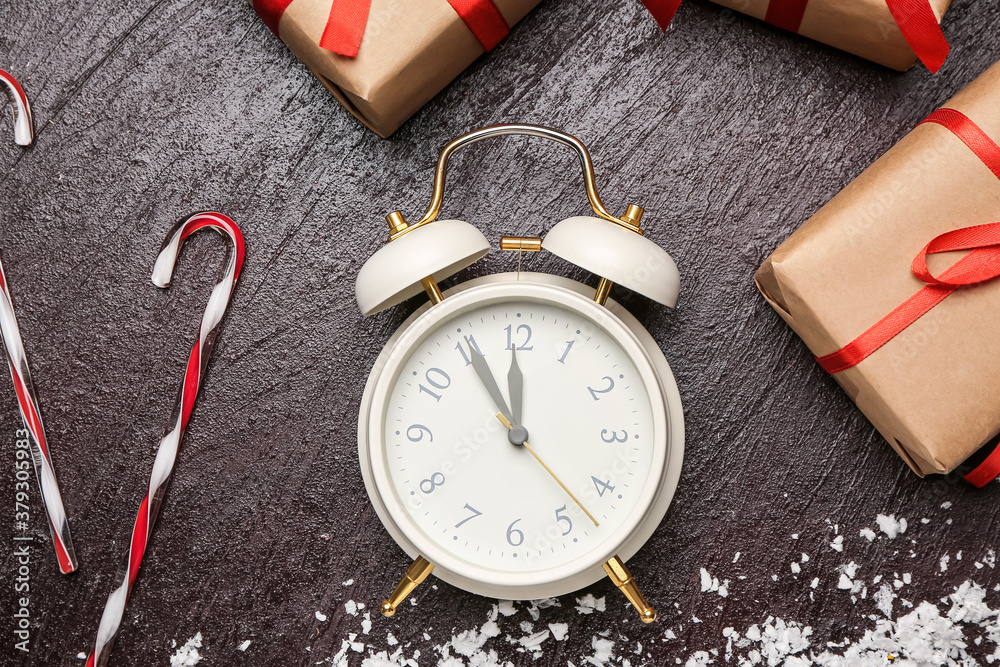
pixel 187 655
pixel 891 526
pixel 588 604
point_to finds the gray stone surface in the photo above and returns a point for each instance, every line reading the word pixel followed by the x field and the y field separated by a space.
pixel 729 132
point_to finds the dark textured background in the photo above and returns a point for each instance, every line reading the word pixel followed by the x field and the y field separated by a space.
pixel 729 132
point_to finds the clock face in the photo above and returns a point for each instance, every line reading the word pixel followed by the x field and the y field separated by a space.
pixel 590 409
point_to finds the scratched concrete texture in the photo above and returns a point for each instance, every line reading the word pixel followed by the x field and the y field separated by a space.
pixel 729 132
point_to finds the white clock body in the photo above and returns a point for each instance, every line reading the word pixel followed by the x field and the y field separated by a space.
pixel 601 409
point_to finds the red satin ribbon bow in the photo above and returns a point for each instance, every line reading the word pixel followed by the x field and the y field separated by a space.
pixel 348 18
pixel 980 265
pixel 915 18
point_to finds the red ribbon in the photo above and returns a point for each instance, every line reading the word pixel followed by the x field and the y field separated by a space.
pixel 662 10
pixel 915 18
pixel 345 27
pixel 484 20
pixel 980 265
pixel 786 14
pixel 270 12
pixel 986 471
pixel 921 30
pixel 348 18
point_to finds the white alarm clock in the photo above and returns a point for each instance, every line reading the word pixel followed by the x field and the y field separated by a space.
pixel 521 435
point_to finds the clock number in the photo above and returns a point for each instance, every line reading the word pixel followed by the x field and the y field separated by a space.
pixel 563 517
pixel 523 346
pixel 420 430
pixel 465 355
pixel 569 346
pixel 595 392
pixel 428 485
pixel 602 486
pixel 474 511
pixel 443 381
pixel 511 530
pixel 614 436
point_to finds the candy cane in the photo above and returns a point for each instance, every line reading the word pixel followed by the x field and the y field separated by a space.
pixel 166 453
pixel 24 134
pixel 17 361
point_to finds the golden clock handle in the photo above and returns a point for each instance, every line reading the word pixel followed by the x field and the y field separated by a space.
pixel 626 584
pixel 415 575
pixel 398 226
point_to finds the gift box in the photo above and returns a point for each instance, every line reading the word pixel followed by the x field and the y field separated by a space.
pixel 893 33
pixel 385 61
pixel 891 285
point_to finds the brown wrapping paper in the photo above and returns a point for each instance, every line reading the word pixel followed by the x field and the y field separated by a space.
pixel 862 27
pixel 410 51
pixel 934 390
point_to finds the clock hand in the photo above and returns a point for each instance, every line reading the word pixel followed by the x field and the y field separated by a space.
pixel 486 377
pixel 515 385
pixel 512 429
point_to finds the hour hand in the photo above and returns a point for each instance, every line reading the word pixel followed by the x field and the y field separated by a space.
pixel 483 371
pixel 515 384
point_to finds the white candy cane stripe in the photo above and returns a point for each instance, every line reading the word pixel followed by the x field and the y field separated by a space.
pixel 27 401
pixel 166 453
pixel 24 132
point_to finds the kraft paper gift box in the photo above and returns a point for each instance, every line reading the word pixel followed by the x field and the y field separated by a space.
pixel 409 51
pixel 933 390
pixel 889 32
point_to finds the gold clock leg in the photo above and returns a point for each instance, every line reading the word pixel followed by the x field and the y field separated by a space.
pixel 603 290
pixel 432 289
pixel 415 575
pixel 623 580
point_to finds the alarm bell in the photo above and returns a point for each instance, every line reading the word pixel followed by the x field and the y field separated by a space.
pixel 401 269
pixel 618 255
pixel 421 254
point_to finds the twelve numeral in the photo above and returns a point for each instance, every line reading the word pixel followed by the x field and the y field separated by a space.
pixel 521 327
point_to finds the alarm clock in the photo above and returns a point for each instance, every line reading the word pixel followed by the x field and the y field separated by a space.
pixel 521 434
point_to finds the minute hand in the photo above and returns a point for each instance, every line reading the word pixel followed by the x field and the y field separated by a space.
pixel 515 385
pixel 483 371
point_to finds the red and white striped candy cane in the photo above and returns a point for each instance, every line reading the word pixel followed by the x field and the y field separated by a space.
pixel 17 361
pixel 24 132
pixel 166 453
